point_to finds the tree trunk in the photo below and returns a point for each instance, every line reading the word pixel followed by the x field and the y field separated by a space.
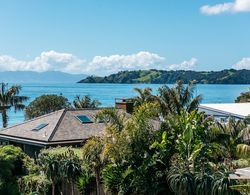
pixel 53 188
pixel 98 181
pixel 72 187
pixel 4 118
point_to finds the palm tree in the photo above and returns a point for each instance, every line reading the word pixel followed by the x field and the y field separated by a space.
pixel 51 167
pixel 9 98
pixel 178 98
pixel 144 95
pixel 71 167
pixel 85 102
pixel 236 135
pixel 92 156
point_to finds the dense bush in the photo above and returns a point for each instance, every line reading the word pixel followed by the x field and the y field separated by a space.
pixel 13 165
pixel 244 97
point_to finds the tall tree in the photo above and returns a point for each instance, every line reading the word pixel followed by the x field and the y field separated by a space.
pixel 178 98
pixel 45 104
pixel 92 156
pixel 85 102
pixel 9 97
pixel 144 95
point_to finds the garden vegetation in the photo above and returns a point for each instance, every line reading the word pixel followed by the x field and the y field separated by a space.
pixel 165 147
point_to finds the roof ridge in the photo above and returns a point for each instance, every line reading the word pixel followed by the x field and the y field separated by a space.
pixel 57 125
pixel 80 109
pixel 33 119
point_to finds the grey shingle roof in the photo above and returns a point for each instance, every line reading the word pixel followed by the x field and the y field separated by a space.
pixel 62 126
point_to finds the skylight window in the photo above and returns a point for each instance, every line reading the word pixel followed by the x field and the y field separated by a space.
pixel 83 119
pixel 38 127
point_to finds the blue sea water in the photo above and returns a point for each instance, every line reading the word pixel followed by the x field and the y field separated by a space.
pixel 106 93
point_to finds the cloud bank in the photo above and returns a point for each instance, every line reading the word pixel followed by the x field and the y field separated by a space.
pixel 185 65
pixel 114 63
pixel 47 61
pixel 244 63
pixel 228 7
pixel 99 65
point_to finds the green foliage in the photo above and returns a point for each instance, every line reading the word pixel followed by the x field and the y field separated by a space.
pixel 92 157
pixel 181 181
pixel 11 161
pixel 12 166
pixel 221 184
pixel 166 146
pixel 44 105
pixel 178 98
pixel 34 184
pixel 235 132
pixel 83 181
pixel 144 96
pixel 195 166
pixel 60 164
pixel 162 77
pixel 9 97
pixel 244 97
pixel 133 158
pixel 92 152
pixel 85 102
pixel 243 189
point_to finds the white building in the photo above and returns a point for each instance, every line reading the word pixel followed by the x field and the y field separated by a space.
pixel 243 173
pixel 221 111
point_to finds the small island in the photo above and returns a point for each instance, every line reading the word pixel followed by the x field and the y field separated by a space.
pixel 227 76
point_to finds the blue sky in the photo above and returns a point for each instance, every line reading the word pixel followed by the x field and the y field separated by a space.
pixel 105 36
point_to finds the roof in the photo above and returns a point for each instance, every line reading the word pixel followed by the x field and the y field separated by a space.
pixel 243 173
pixel 62 126
pixel 240 110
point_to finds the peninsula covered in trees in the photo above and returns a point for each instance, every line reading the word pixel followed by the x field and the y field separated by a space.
pixel 229 76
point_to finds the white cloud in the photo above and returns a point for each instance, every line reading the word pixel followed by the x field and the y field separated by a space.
pixel 114 63
pixel 185 65
pixel 46 61
pixel 99 65
pixel 230 7
pixel 244 63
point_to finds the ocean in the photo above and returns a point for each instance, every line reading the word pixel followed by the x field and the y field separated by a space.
pixel 106 93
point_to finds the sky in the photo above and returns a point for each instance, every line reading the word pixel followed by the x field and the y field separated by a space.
pixel 100 37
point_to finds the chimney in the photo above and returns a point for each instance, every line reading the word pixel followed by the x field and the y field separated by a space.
pixel 124 104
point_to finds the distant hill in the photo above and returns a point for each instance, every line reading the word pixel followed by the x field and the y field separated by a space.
pixel 230 76
pixel 39 77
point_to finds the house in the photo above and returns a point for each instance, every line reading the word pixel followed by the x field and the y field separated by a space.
pixel 63 127
pixel 222 111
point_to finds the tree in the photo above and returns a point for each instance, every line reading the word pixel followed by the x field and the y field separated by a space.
pixel 92 156
pixel 44 105
pixel 9 97
pixel 34 184
pixel 60 164
pixel 236 135
pixel 244 97
pixel 12 166
pixel 133 161
pixel 197 166
pixel 178 98
pixel 71 167
pixel 144 95
pixel 85 102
